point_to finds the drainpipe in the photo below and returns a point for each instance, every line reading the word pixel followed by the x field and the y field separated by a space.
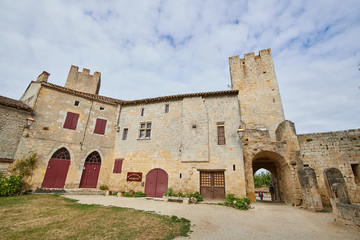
pixel 87 123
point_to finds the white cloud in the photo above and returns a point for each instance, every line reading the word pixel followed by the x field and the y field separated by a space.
pixel 155 48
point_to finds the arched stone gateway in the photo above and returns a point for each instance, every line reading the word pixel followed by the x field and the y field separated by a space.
pixel 283 177
pixel 57 169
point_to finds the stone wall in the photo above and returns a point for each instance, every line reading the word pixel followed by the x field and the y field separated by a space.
pixel 260 102
pixel 12 124
pixel 339 150
pixel 182 142
pixel 47 134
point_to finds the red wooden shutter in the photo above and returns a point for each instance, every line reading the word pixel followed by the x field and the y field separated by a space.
pixel 118 165
pixel 71 120
pixel 100 126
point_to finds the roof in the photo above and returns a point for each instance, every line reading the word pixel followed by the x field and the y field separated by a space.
pixel 9 102
pixel 114 101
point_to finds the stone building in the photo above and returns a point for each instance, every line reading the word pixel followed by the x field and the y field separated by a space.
pixel 211 142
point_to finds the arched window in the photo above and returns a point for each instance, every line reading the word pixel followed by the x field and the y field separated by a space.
pixel 62 153
pixel 93 157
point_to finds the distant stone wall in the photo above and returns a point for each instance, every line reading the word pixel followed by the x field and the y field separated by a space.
pixel 340 150
pixel 12 123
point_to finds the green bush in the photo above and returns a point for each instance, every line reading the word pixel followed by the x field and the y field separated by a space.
pixel 196 195
pixel 104 187
pixel 10 186
pixel 137 194
pixel 170 193
pixel 239 203
pixel 25 165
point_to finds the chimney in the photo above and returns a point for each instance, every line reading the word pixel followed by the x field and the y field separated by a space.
pixel 43 77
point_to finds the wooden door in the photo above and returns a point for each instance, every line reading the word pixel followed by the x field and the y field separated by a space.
pixel 212 184
pixel 156 183
pixel 57 169
pixel 91 170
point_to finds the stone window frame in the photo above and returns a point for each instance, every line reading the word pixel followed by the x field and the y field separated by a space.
pixel 125 133
pixel 145 130
pixel 220 126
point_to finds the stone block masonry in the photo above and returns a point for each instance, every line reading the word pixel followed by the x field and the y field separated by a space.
pixel 341 150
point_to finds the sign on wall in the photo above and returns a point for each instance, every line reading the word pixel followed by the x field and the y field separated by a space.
pixel 134 176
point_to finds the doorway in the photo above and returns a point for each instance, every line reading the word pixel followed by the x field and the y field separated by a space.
pixel 212 184
pixel 156 183
pixel 57 169
pixel 91 170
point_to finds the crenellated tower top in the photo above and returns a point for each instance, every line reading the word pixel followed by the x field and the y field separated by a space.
pixel 83 81
pixel 259 96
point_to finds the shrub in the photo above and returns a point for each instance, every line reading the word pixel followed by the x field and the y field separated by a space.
pixel 10 186
pixel 137 194
pixel 104 187
pixel 196 195
pixel 239 203
pixel 170 193
pixel 25 165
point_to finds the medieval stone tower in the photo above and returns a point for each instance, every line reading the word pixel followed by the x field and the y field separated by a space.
pixel 260 102
pixel 83 81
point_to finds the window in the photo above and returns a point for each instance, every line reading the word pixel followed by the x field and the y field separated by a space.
pixel 142 112
pixel 71 120
pixel 102 108
pixel 76 103
pixel 356 170
pixel 221 135
pixel 100 126
pixel 145 130
pixel 125 133
pixel 166 108
pixel 118 165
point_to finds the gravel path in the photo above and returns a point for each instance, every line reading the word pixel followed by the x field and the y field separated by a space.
pixel 264 221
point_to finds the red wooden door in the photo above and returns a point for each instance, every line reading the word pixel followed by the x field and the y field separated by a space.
pixel 90 174
pixel 156 183
pixel 56 173
pixel 57 169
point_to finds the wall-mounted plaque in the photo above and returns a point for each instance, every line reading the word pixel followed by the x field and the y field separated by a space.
pixel 134 176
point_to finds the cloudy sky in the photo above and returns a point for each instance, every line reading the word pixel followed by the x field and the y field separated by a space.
pixel 156 48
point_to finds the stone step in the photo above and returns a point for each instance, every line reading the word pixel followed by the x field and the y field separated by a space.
pixel 82 191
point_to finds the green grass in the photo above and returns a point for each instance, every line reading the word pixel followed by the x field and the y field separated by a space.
pixel 55 217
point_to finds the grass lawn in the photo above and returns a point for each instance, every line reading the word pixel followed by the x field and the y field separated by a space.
pixel 55 217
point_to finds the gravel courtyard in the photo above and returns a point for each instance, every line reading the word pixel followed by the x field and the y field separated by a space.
pixel 264 221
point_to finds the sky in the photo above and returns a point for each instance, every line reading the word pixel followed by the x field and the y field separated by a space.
pixel 154 48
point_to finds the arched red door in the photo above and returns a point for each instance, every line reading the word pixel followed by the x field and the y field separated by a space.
pixel 156 183
pixel 90 174
pixel 57 169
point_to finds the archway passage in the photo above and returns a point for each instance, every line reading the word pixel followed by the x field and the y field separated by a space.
pixel 57 169
pixel 90 174
pixel 275 164
pixel 156 183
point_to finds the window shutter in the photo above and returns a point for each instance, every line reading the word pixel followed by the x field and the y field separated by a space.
pixel 71 120
pixel 100 126
pixel 118 165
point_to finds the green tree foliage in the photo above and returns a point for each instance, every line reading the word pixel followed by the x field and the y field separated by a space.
pixel 25 165
pixel 262 179
pixel 11 185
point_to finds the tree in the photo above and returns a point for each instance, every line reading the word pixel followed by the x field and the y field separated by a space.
pixel 262 179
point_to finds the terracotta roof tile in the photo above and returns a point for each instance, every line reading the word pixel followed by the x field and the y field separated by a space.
pixel 132 102
pixel 9 102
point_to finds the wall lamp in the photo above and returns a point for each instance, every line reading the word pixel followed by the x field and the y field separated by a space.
pixel 240 132
pixel 29 122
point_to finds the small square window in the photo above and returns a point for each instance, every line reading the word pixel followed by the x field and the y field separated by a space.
pixel 102 108
pixel 166 108
pixel 125 133
pixel 76 103
pixel 145 130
